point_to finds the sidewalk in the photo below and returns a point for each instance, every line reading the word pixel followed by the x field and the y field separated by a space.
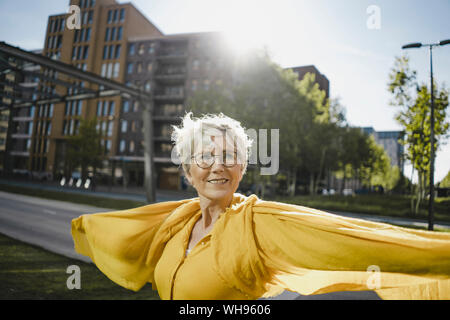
pixel 138 194
pixel 116 192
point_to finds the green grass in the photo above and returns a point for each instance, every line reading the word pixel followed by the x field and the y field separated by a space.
pixel 29 272
pixel 383 205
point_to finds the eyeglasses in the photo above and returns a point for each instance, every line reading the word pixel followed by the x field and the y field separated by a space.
pixel 207 159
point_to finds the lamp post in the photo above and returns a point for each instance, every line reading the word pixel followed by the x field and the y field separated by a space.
pixel 431 200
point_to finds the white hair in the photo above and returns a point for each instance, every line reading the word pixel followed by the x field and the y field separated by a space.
pixel 194 132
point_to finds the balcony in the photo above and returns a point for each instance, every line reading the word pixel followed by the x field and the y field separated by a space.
pixel 170 94
pixel 172 55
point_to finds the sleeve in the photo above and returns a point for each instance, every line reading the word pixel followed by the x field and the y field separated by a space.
pixel 313 252
pixel 118 242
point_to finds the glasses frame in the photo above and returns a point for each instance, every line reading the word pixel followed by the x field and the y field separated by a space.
pixel 214 157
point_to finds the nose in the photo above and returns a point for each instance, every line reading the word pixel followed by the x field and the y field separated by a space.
pixel 217 165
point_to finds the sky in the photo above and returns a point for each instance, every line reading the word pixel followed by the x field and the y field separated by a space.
pixel 352 42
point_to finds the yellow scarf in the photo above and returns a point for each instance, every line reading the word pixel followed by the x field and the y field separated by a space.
pixel 270 247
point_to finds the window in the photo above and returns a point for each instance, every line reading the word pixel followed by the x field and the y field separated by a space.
pixel 122 146
pixel 103 73
pixel 206 84
pixel 79 107
pixel 109 16
pixel 90 16
pixel 49 128
pixel 30 128
pixel 123 127
pixel 111 52
pixel 111 108
pixel 105 108
pixel 103 127
pixel 117 56
pixel 148 86
pixel 131 146
pixel 115 15
pixel 195 64
pixel 141 49
pixel 85 52
pixel 151 48
pixel 113 34
pixel 105 52
pixel 110 128
pixel 88 34
pixel 92 3
pixel 107 34
pixel 116 70
pixel 50 111
pixel 122 14
pixel 82 35
pixel 131 49
pixel 139 67
pixel 130 68
pixel 194 85
pixel 108 146
pixel 125 106
pixel 119 33
pixel 109 72
pixel 99 108
pixel 149 67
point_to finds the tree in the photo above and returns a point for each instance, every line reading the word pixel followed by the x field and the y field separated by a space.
pixel 445 183
pixel 84 148
pixel 414 116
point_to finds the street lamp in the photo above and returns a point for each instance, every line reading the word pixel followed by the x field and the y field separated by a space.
pixel 431 200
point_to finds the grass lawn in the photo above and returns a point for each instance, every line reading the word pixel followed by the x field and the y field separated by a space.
pixel 383 205
pixel 29 272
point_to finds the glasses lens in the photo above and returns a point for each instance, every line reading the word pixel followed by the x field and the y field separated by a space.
pixel 204 160
pixel 229 159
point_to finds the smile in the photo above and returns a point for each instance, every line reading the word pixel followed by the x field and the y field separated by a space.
pixel 218 181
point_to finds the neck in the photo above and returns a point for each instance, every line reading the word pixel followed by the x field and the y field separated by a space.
pixel 212 208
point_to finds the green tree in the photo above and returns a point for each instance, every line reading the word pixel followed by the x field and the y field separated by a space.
pixel 445 183
pixel 84 148
pixel 414 101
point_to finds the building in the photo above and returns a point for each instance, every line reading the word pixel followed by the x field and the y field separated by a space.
pixel 39 134
pixel 172 68
pixel 324 83
pixel 390 141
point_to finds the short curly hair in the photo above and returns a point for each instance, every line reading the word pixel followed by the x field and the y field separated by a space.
pixel 193 131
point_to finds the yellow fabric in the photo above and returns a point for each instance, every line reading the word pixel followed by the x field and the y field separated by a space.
pixel 259 248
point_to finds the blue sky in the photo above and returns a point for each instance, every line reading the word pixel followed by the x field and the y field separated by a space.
pixel 332 35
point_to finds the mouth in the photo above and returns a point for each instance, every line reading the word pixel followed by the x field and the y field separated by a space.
pixel 218 181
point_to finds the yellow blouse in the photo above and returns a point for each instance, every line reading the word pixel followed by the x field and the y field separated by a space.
pixel 178 276
pixel 260 248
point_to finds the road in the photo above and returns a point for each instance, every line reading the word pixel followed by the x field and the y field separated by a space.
pixel 46 223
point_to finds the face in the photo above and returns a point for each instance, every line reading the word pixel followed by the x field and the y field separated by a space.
pixel 218 182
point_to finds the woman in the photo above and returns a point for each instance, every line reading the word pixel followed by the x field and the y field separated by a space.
pixel 223 245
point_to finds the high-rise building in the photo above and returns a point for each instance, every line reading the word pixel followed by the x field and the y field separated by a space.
pixel 390 141
pixel 98 46
pixel 324 83
pixel 172 68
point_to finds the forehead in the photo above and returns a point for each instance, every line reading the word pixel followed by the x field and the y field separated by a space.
pixel 209 143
